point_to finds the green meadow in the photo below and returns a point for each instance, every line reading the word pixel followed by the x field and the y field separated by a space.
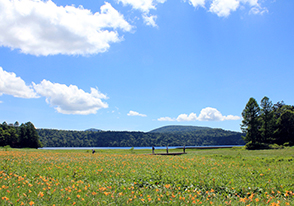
pixel 232 176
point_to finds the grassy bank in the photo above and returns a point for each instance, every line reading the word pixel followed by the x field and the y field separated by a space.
pixel 121 177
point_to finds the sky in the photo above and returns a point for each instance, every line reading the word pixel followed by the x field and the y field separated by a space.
pixel 136 65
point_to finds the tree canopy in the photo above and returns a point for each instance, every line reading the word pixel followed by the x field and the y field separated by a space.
pixel 62 138
pixel 268 124
pixel 21 136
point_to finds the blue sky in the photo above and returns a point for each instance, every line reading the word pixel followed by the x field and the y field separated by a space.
pixel 141 64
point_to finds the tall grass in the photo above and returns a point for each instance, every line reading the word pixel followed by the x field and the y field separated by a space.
pixel 130 177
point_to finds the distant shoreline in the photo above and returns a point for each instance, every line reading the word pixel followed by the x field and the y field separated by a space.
pixel 147 148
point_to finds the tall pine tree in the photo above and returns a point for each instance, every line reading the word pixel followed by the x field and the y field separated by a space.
pixel 250 123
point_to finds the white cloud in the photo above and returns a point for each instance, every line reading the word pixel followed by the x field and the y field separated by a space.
pixel 197 3
pixel 223 8
pixel 210 114
pixel 65 99
pixel 144 6
pixel 42 28
pixel 185 117
pixel 166 119
pixel 71 99
pixel 12 85
pixel 133 113
pixel 150 20
pixel 232 117
pixel 258 10
pixel 206 114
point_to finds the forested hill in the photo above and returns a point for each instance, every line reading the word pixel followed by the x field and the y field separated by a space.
pixel 63 138
pixel 178 128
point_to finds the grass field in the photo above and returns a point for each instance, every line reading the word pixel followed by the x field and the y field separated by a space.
pixel 131 177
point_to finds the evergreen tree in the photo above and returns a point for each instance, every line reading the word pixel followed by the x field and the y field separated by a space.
pixel 250 123
pixel 4 137
pixel 267 120
pixel 28 136
pixel 23 138
pixel 13 137
pixel 285 128
pixel 16 124
pixel 33 138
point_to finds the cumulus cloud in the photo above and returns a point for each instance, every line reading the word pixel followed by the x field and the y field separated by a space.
pixel 206 114
pixel 144 6
pixel 197 3
pixel 12 85
pixel 133 113
pixel 42 28
pixel 232 117
pixel 223 8
pixel 185 117
pixel 65 99
pixel 166 119
pixel 71 99
pixel 212 114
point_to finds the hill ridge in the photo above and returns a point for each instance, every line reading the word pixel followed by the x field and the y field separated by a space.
pixel 178 128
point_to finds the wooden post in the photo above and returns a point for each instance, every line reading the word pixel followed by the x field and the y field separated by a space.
pixel 184 149
pixel 166 149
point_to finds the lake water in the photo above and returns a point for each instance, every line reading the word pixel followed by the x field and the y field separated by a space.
pixel 173 147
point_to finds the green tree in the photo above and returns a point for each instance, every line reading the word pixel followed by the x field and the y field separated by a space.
pixel 23 138
pixel 34 141
pixel 285 131
pixel 267 120
pixel 250 123
pixel 16 124
pixel 4 137
pixel 13 137
pixel 28 136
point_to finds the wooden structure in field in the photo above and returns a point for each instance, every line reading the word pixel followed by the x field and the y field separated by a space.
pixel 169 153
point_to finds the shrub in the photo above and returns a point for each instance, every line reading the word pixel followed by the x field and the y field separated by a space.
pixel 7 147
pixel 256 146
pixel 276 146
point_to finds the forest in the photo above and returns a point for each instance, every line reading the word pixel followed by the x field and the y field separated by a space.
pixel 62 138
pixel 262 126
pixel 19 136
pixel 267 124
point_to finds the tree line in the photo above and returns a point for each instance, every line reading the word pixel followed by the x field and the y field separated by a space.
pixel 19 136
pixel 63 138
pixel 267 124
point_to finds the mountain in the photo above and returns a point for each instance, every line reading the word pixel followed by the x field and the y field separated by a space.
pixel 164 136
pixel 178 128
pixel 93 130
